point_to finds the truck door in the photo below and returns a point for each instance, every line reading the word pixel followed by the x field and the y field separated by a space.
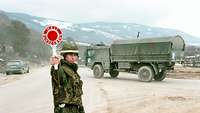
pixel 90 53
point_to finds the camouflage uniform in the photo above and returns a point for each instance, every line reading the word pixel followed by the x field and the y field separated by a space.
pixel 67 88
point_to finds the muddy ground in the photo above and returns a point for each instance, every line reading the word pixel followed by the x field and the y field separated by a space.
pixel 181 72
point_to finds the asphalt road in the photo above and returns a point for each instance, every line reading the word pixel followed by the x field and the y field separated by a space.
pixel 125 94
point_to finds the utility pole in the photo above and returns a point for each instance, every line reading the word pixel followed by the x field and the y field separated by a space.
pixel 138 34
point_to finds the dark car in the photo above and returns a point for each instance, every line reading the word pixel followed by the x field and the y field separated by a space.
pixel 16 66
pixel 2 65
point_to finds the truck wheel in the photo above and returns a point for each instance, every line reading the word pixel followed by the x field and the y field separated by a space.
pixel 145 74
pixel 7 73
pixel 114 73
pixel 98 71
pixel 160 76
pixel 27 71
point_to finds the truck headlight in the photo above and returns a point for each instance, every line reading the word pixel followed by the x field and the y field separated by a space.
pixel 173 56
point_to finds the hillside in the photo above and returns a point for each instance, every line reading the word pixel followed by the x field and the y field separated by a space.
pixel 20 42
pixel 106 32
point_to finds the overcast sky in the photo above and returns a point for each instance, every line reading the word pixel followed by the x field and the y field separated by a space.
pixel 176 14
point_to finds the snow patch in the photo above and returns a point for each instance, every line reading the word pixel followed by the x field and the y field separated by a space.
pixel 96 26
pixel 87 29
pixel 136 25
pixel 149 29
pixel 60 24
pixel 106 34
pixel 83 44
pixel 125 26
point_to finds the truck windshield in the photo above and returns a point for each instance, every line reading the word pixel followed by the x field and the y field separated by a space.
pixel 90 53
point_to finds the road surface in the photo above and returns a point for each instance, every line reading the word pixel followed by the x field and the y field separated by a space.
pixel 125 94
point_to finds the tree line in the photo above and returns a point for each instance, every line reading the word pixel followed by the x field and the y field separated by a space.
pixel 17 41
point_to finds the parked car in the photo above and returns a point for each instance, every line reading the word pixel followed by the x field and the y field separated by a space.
pixel 16 66
pixel 2 65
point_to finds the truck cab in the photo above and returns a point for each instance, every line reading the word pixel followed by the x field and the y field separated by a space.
pixel 98 59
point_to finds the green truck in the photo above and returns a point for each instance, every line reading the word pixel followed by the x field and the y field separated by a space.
pixel 150 58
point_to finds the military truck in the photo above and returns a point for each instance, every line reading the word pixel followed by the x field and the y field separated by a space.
pixel 150 58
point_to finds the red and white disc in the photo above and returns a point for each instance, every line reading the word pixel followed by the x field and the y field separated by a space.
pixel 52 35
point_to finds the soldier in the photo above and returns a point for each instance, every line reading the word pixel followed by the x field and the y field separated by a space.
pixel 66 83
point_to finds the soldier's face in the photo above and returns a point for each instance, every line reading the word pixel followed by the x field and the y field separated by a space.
pixel 71 58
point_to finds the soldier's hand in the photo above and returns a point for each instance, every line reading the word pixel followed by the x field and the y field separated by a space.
pixel 54 60
pixel 61 105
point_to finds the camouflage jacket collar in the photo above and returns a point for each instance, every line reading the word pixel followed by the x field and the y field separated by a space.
pixel 74 66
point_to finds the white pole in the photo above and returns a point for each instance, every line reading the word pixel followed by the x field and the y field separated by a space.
pixel 54 55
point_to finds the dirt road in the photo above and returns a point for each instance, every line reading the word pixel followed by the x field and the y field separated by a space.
pixel 32 94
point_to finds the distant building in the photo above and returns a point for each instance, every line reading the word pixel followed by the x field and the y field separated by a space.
pixel 193 61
